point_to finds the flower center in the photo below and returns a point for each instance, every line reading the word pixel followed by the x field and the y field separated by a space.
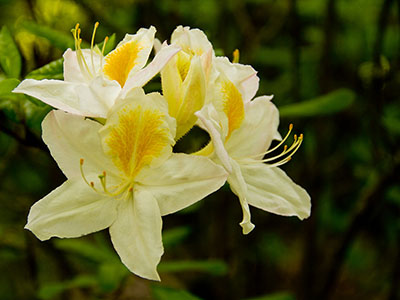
pixel 139 136
pixel 121 61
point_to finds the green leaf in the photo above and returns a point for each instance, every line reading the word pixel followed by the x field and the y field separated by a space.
pixel 174 236
pixel 214 267
pixel 111 275
pixel 10 58
pixel 6 87
pixel 391 119
pixel 86 249
pixel 57 38
pixel 53 70
pixel 50 290
pixel 165 293
pixel 275 296
pixel 34 115
pixel 10 102
pixel 327 104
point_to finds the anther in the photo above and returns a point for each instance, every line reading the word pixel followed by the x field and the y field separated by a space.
pixel 81 161
pixel 236 56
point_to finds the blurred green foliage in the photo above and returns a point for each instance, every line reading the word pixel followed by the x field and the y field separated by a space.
pixel 333 67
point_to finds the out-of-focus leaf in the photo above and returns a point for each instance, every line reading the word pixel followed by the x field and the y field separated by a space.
pixel 6 86
pixel 59 39
pixel 110 45
pixel 10 102
pixel 86 249
pixel 275 296
pixel 279 57
pixel 34 115
pixel 53 70
pixel 327 104
pixel 111 275
pixel 369 70
pixel 174 236
pixel 165 293
pixel 393 195
pixel 214 267
pixel 391 119
pixel 50 290
pixel 10 58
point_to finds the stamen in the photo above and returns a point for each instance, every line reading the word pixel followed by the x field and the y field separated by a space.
pixel 288 152
pixel 284 139
pixel 277 146
pixel 236 56
pixel 102 52
pixel 117 190
pixel 92 45
pixel 91 184
pixel 292 150
pixel 79 55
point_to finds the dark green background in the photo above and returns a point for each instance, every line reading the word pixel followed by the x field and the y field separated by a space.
pixel 333 67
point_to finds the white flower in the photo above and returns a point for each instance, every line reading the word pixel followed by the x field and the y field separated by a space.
pixel 121 176
pixel 93 82
pixel 241 130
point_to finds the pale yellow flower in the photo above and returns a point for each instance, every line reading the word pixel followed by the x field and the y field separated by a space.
pixel 122 176
pixel 241 131
pixel 92 82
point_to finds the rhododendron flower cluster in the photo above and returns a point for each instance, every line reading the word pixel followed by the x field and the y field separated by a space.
pixel 114 142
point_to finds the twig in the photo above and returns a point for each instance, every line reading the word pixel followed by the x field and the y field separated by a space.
pixel 368 203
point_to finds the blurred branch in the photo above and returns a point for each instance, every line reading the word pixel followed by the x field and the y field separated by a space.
pixel 26 139
pixel 394 290
pixel 377 96
pixel 295 28
pixel 368 202
pixel 329 30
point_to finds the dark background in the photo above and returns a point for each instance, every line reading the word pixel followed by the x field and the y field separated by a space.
pixel 333 68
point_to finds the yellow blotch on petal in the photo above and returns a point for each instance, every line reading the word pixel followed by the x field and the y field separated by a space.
pixel 183 64
pixel 233 106
pixel 120 62
pixel 138 138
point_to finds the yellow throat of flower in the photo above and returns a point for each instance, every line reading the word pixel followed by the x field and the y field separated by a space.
pixel 233 106
pixel 137 138
pixel 121 61
pixel 134 139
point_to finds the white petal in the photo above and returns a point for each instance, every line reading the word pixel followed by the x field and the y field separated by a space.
pixel 144 37
pixel 136 234
pixel 207 122
pixel 194 92
pixel 140 78
pixel 238 186
pixel 182 180
pixel 72 70
pixel 257 130
pixel 272 190
pixel 77 98
pixel 70 138
pixel 191 40
pixel 244 77
pixel 71 210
